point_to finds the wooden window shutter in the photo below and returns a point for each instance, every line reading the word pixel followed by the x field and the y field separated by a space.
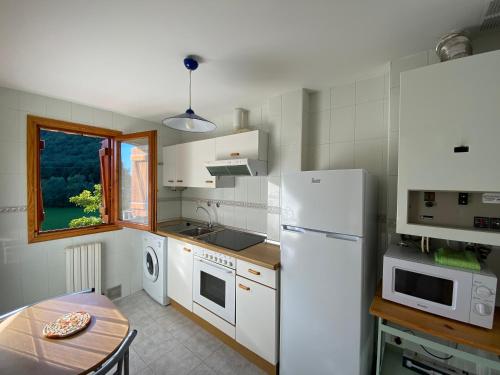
pixel 105 164
pixel 39 197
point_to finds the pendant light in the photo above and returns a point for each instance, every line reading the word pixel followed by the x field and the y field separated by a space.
pixel 189 121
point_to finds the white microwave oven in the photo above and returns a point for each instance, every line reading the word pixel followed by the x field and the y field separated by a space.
pixel 412 278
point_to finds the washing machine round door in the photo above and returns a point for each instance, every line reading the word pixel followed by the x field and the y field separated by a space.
pixel 150 264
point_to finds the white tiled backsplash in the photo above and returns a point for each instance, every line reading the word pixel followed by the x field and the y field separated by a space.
pixel 347 127
pixel 254 201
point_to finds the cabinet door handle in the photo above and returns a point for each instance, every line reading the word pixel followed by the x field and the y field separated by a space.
pixel 241 286
pixel 180 180
pixel 170 180
pixel 257 273
pixel 234 154
pixel 209 182
pixel 187 249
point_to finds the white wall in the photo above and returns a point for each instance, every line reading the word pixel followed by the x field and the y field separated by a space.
pixel 253 204
pixel 349 129
pixel 29 273
pixel 344 126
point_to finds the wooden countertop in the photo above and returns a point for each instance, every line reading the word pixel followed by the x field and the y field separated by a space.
pixel 24 349
pixel 263 254
pixel 434 325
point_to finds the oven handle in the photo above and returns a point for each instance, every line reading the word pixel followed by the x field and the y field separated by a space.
pixel 216 266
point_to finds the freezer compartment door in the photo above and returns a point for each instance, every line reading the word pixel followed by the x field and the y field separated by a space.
pixel 321 290
pixel 330 201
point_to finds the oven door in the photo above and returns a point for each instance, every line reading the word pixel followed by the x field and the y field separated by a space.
pixel 214 288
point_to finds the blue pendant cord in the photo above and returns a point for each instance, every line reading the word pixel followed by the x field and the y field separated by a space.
pixel 190 89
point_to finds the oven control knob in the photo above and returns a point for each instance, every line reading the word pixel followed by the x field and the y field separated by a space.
pixel 225 262
pixel 484 292
pixel 230 264
pixel 483 309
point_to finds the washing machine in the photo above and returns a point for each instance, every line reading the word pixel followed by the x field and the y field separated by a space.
pixel 154 267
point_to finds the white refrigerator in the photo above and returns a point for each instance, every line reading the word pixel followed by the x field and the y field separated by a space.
pixel 328 268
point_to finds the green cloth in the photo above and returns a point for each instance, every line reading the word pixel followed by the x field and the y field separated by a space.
pixel 457 258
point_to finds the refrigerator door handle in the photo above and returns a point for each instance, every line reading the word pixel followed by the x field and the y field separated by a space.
pixel 290 228
pixel 345 237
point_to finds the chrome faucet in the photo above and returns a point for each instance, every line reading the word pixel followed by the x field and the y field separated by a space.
pixel 210 225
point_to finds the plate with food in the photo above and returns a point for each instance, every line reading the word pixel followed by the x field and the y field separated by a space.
pixel 67 325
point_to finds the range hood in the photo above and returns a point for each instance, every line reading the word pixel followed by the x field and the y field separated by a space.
pixel 237 167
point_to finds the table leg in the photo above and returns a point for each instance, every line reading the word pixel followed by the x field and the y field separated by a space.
pixel 379 345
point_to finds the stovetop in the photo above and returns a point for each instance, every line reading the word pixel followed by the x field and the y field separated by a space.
pixel 232 239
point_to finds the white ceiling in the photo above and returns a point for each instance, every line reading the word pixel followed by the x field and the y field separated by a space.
pixel 126 55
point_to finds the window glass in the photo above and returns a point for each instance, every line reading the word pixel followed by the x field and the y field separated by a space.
pixel 70 180
pixel 134 180
pixel 213 288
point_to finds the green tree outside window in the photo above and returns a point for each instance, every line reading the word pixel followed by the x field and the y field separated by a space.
pixel 90 202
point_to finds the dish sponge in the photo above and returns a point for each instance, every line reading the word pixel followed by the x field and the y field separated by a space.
pixel 457 258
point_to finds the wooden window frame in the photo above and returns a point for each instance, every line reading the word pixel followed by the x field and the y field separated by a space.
pixel 34 124
pixel 152 177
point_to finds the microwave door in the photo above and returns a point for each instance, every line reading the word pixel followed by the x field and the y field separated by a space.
pixel 426 287
pixel 437 290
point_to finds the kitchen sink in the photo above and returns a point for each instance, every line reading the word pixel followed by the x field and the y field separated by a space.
pixel 195 232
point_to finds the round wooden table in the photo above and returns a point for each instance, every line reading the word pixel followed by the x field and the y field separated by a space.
pixel 24 350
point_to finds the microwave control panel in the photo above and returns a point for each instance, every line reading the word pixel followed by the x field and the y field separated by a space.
pixel 483 300
pixel 216 257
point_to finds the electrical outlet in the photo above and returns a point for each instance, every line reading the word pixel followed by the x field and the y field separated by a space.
pixel 463 199
pixel 481 222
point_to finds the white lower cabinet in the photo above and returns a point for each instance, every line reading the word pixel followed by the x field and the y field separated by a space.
pixel 257 318
pixel 180 273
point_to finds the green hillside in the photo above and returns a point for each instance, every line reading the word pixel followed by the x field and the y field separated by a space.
pixel 69 164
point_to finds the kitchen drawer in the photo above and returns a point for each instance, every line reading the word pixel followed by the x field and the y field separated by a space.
pixel 257 273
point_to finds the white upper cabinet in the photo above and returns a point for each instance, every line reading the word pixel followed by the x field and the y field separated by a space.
pixel 183 162
pixel 169 166
pixel 184 166
pixel 250 145
pixel 448 142
pixel 201 152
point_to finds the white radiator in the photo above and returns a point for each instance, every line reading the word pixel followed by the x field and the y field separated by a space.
pixel 83 267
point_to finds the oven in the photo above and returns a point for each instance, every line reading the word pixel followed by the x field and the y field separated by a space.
pixel 214 283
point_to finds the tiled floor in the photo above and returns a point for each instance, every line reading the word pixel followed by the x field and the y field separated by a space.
pixel 169 343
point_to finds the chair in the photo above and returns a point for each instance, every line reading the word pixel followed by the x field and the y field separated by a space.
pixel 119 358
pixel 10 313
